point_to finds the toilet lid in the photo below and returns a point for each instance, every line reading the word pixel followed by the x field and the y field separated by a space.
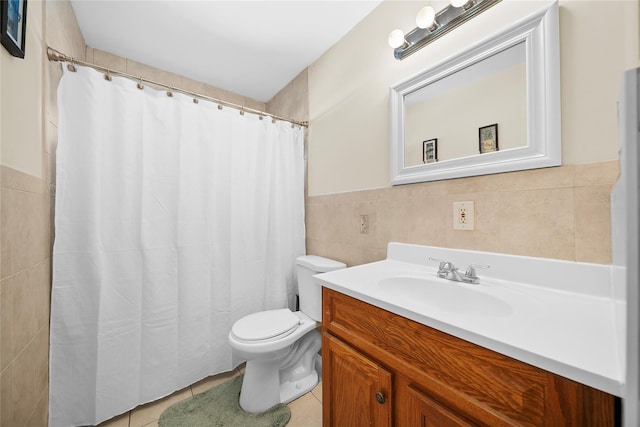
pixel 265 324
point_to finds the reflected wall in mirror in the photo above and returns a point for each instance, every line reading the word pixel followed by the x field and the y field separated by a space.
pixel 511 80
pixel 454 108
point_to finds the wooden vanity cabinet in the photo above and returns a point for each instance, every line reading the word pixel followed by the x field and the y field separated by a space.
pixel 381 369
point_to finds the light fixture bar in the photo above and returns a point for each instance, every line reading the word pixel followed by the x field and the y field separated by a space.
pixel 448 18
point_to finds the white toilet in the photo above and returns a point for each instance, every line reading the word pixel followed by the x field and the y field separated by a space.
pixel 281 346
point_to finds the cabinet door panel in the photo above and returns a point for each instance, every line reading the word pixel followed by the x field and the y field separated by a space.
pixel 426 412
pixel 351 382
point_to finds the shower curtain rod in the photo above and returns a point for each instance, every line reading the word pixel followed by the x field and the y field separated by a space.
pixel 56 56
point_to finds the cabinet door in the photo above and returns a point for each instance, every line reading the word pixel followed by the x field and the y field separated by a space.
pixel 356 390
pixel 424 411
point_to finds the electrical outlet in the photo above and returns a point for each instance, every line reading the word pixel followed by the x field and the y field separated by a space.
pixel 364 224
pixel 463 216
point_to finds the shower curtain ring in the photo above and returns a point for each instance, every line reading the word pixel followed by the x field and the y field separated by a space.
pixel 72 67
pixel 107 76
pixel 140 85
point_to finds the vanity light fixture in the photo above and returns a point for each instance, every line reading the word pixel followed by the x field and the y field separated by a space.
pixel 432 25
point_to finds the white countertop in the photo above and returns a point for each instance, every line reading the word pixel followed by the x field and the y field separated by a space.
pixel 568 319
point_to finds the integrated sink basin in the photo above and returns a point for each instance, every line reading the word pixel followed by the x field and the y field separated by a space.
pixel 441 294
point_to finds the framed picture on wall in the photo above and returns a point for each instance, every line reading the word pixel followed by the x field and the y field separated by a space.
pixel 488 138
pixel 430 150
pixel 14 26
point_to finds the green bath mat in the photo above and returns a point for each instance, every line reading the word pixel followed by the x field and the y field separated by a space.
pixel 220 407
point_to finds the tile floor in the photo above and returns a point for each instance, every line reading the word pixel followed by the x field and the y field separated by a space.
pixel 305 411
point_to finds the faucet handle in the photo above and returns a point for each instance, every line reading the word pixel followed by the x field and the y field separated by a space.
pixel 471 270
pixel 444 265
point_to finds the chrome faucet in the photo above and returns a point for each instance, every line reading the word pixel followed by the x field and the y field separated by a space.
pixel 447 270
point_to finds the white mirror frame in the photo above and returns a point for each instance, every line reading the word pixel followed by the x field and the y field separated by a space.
pixel 540 34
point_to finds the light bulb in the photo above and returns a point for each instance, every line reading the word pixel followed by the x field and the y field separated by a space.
pixel 458 3
pixel 396 39
pixel 426 17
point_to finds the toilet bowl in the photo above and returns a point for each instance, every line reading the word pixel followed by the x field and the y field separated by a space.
pixel 281 346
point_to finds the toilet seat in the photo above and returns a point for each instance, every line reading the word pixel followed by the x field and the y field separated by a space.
pixel 266 325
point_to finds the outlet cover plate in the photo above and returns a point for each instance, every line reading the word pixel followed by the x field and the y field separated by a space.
pixel 463 216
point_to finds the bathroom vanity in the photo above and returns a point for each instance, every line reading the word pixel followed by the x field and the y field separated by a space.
pixel 392 358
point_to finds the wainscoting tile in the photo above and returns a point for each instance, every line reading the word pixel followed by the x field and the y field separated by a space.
pixel 24 322
pixel 593 209
pixel 142 70
pixel 538 223
pixel 109 60
pixel 537 179
pixel 604 173
pixel 6 323
pixel 7 409
pixel 25 394
pixel 6 214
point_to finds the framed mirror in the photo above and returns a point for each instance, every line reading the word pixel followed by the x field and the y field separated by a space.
pixel 492 108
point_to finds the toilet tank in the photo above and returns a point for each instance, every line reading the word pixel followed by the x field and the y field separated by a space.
pixel 310 293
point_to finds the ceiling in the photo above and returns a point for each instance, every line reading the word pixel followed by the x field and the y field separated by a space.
pixel 252 48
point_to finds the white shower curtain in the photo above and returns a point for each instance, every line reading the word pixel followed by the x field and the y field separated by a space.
pixel 173 219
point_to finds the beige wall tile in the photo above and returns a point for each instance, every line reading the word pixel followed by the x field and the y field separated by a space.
pixel 537 179
pixel 40 415
pixel 427 219
pixel 63 32
pixel 28 231
pixel 89 54
pixel 536 213
pixel 17 180
pixel 476 184
pixel 592 218
pixel 25 394
pixel 142 70
pixel 24 310
pixel 193 86
pixel 603 173
pixel 6 207
pixel 7 409
pixel 292 100
pixel 6 322
pixel 252 103
pixel 41 360
pixel 169 79
pixel 109 60
pixel 54 74
pixel 538 223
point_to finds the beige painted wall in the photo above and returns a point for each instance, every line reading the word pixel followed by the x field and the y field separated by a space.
pixel 348 85
pixel 455 117
pixel 22 100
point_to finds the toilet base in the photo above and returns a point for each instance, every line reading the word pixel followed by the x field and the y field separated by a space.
pixel 291 390
pixel 282 378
